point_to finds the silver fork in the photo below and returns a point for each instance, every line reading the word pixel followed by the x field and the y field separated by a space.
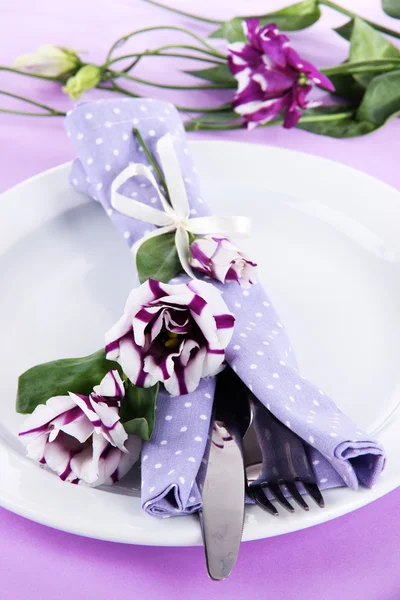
pixel 294 468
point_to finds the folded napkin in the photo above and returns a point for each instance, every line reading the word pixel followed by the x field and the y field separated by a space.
pixel 259 352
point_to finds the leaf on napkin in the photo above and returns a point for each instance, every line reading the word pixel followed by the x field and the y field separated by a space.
pixel 292 18
pixel 58 377
pixel 137 413
pixel 220 74
pixel 157 258
pixel 391 8
pixel 366 44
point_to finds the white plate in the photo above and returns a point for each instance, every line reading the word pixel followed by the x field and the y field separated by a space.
pixel 327 240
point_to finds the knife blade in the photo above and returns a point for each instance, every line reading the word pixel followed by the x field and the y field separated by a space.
pixel 222 513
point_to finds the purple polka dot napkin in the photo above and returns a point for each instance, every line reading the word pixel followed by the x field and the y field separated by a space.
pixel 260 352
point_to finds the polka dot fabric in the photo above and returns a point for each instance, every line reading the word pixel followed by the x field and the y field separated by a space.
pixel 260 352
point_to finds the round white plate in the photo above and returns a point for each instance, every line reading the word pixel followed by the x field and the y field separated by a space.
pixel 327 241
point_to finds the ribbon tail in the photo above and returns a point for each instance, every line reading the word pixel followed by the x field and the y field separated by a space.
pixel 183 250
pixel 137 210
pixel 227 226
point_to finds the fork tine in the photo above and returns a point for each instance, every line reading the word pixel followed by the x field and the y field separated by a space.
pixel 276 491
pixel 260 498
pixel 314 492
pixel 297 497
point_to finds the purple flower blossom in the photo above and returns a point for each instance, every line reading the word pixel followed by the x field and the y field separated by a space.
pixel 81 437
pixel 222 260
pixel 271 76
pixel 176 334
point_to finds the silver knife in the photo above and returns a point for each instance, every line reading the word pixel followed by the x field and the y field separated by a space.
pixel 222 513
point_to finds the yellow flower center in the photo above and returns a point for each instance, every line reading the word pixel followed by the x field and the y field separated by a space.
pixel 173 340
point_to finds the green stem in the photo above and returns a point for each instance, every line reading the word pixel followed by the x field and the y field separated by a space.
pixel 363 67
pixel 127 37
pixel 188 109
pixel 29 74
pixel 133 64
pixel 151 160
pixel 51 111
pixel 352 15
pixel 222 58
pixel 32 114
pixel 222 86
pixel 167 54
pixel 199 126
pixel 183 13
pixel 117 89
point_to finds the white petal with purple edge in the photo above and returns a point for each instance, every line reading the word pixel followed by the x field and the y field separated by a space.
pixel 110 386
pixel 44 413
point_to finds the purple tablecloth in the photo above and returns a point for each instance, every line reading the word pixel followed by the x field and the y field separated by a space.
pixel 354 557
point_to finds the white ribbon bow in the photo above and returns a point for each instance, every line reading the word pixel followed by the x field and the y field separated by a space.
pixel 175 216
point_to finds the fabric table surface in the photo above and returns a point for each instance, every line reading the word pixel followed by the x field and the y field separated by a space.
pixel 354 557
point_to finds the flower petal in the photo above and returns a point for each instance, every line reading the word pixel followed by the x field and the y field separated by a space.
pixel 44 413
pixel 110 386
pixel 59 453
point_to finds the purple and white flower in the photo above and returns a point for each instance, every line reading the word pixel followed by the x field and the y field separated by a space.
pixel 81 437
pixel 271 76
pixel 222 260
pixel 175 334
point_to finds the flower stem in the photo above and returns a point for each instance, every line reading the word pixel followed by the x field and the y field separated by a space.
pixel 125 38
pixel 117 89
pixel 368 66
pixel 222 59
pixel 159 52
pixel 163 86
pixel 352 15
pixel 32 114
pixel 199 126
pixel 151 160
pixel 29 74
pixel 51 112
pixel 205 109
pixel 183 13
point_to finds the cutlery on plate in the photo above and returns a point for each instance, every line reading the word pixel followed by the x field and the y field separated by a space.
pixel 222 512
pixel 296 471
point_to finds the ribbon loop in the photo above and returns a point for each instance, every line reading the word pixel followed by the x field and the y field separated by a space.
pixel 174 216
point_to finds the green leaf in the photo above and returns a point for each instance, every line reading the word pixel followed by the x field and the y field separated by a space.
pixel 382 99
pixel 380 103
pixel 58 377
pixel 157 258
pixel 347 87
pixel 391 8
pixel 292 18
pixel 345 30
pixel 231 30
pixel 340 122
pixel 368 44
pixel 137 413
pixel 220 74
